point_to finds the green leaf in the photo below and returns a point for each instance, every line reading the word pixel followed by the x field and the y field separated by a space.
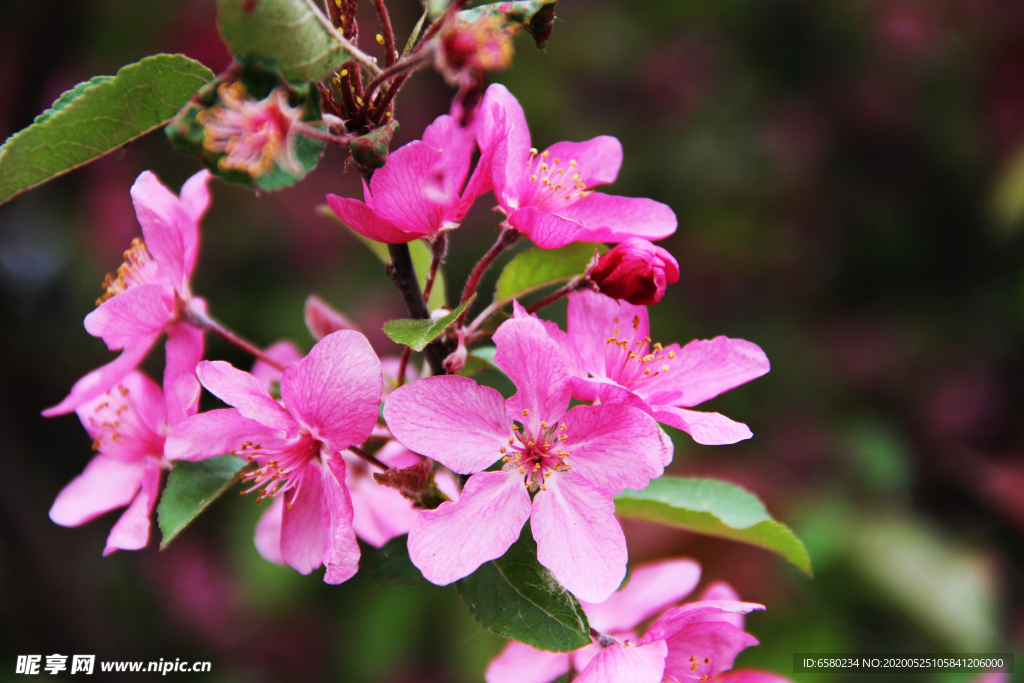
pixel 517 597
pixel 191 487
pixel 537 268
pixel 97 117
pixel 715 508
pixel 391 566
pixel 1007 203
pixel 418 333
pixel 287 31
pixel 535 16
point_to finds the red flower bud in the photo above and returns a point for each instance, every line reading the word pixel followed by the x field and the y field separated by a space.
pixel 637 271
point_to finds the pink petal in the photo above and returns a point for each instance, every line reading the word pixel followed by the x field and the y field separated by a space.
pixel 547 230
pixel 504 140
pixel 598 160
pixel 335 390
pixel 166 227
pixel 490 515
pixel 105 484
pixel 591 322
pixel 651 588
pixel 195 199
pixel 100 380
pixel 519 663
pixel 720 590
pixel 131 531
pixel 609 218
pixel 131 317
pixel 379 513
pixel 394 454
pixel 303 537
pixel 710 429
pixel 141 415
pixel 218 432
pixel 704 369
pixel 578 537
pixel 285 353
pixel 622 664
pixel 367 222
pixel 535 364
pixel 755 676
pixel 451 419
pixel 245 393
pixel 615 447
pixel 181 386
pixel 322 318
pixel 397 191
pixel 341 555
pixel 455 146
pixel 268 532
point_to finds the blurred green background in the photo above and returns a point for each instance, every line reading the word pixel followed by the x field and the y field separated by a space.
pixel 849 181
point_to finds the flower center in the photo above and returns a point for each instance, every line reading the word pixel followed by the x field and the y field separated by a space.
pixel 251 134
pixel 694 663
pixel 116 424
pixel 275 470
pixel 138 268
pixel 553 183
pixel 633 360
pixel 538 457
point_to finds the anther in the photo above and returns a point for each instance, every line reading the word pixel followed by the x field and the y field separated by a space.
pixel 543 424
pixel 526 411
pixel 380 39
pixel 562 427
pixel 671 355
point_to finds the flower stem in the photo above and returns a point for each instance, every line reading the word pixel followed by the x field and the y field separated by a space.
pixel 386 32
pixel 368 62
pixel 573 285
pixel 205 322
pixel 403 274
pixel 506 239
pixel 403 365
pixel 368 457
pixel 316 134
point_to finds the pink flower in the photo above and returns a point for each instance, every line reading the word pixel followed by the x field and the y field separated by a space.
pixel 637 271
pixel 612 360
pixel 549 196
pixel 128 425
pixel 151 293
pixel 253 135
pixel 573 462
pixel 466 48
pixel 717 631
pixel 329 401
pixel 416 193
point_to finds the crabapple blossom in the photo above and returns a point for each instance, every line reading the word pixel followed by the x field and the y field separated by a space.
pixel 560 469
pixel 151 293
pixel 635 270
pixel 329 401
pixel 549 195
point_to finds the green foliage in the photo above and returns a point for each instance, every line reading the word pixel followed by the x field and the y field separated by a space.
pixel 535 16
pixel 715 508
pixel 391 566
pixel 536 268
pixel 517 597
pixel 97 117
pixel 418 333
pixel 1008 199
pixel 191 487
pixel 287 31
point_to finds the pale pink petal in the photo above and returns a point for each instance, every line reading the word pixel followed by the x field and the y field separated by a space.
pixel 650 589
pixel 181 386
pixel 609 218
pixel 379 513
pixel 705 368
pixel 195 199
pixel 547 230
pixel 285 353
pixel 597 160
pixel 131 317
pixel 622 664
pixel 245 393
pixel 578 537
pixel 582 657
pixel 218 432
pixel 105 484
pixel 451 419
pixel 536 366
pixel 131 531
pixel 615 447
pixel 755 676
pixel 367 222
pixel 303 536
pixel 592 321
pixel 710 429
pixel 490 515
pixel 335 390
pixel 341 555
pixel 140 412
pixel 397 190
pixel 322 318
pixel 720 590
pixel 268 532
pixel 165 224
pixel 101 379
pixel 394 454
pixel 519 663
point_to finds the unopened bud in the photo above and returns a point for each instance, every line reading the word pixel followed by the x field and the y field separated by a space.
pixel 635 270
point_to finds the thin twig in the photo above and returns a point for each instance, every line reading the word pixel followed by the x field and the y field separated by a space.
pixel 316 134
pixel 403 364
pixel 573 285
pixel 368 457
pixel 358 55
pixel 506 239
pixel 205 322
pixel 403 274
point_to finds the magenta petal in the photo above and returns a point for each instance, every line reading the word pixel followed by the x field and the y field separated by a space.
pixel 131 317
pixel 398 190
pixel 451 419
pixel 710 429
pixel 367 222
pixel 105 484
pixel 615 447
pixel 609 218
pixel 490 515
pixel 245 393
pixel 547 230
pixel 627 664
pixel 322 319
pixel 705 368
pixel 536 365
pixel 131 531
pixel 184 349
pixel 720 590
pixel 598 160
pixel 504 140
pixel 268 532
pixel 341 555
pixel 455 146
pixel 303 537
pixel 165 226
pixel 379 513
pixel 578 537
pixel 755 676
pixel 283 352
pixel 100 380
pixel 591 321
pixel 335 390
pixel 218 432
pixel 195 199
pixel 519 663
pixel 142 415
pixel 651 588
